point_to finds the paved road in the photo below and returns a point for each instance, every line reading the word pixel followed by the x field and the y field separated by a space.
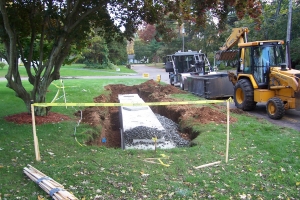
pixel 152 71
pixel 291 118
pixel 141 71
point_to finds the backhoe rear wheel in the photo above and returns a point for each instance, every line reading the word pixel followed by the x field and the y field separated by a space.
pixel 244 95
pixel 275 108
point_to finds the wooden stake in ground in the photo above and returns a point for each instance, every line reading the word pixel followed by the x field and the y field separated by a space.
pixel 35 139
pixel 227 140
pixel 53 188
pixel 155 143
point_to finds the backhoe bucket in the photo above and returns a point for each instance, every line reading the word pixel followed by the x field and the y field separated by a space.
pixel 226 55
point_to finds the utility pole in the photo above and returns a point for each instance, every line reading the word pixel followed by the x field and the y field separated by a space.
pixel 288 36
pixel 183 32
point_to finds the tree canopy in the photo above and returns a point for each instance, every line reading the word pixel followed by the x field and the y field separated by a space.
pixel 269 22
pixel 42 33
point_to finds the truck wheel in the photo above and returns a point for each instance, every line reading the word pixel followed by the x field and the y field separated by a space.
pixel 181 85
pixel 171 81
pixel 244 95
pixel 275 108
pixel 171 78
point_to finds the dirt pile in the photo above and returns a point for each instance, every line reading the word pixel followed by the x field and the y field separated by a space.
pixel 150 91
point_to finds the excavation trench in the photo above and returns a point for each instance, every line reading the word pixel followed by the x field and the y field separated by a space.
pixel 107 123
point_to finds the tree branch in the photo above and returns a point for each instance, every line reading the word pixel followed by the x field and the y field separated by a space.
pixel 11 37
pixel 79 20
pixel 70 14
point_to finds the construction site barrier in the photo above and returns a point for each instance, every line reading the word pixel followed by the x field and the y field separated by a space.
pixel 131 104
pixel 36 145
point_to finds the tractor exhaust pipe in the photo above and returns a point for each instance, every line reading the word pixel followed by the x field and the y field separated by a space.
pixel 283 67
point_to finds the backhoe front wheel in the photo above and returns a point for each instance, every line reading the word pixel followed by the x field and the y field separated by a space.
pixel 244 95
pixel 275 108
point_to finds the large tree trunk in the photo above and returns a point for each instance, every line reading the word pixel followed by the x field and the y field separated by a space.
pixel 37 95
pixel 40 82
pixel 41 98
pixel 42 46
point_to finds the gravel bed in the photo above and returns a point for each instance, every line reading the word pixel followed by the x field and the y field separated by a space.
pixel 170 133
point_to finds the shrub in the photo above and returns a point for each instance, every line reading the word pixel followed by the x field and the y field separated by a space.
pixel 107 65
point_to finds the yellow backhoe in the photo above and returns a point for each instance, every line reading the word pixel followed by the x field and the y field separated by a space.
pixel 262 74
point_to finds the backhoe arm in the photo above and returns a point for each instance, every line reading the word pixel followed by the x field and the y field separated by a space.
pixel 285 80
pixel 238 35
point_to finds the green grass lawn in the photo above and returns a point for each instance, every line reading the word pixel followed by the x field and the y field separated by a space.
pixel 79 70
pixel 263 158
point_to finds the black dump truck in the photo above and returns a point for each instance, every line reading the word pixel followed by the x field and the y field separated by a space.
pixel 191 71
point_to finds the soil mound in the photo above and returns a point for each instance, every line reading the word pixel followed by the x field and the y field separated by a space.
pixel 150 91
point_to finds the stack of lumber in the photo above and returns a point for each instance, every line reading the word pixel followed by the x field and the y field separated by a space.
pixel 53 188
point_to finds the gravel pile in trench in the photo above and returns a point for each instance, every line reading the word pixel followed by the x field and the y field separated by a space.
pixel 170 134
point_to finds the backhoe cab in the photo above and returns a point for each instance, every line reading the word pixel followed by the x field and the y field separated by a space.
pixel 262 75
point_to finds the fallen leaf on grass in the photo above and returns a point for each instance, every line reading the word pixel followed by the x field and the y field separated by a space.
pixel 130 188
pixel 171 194
pixel 243 196
pixel 145 175
pixel 40 197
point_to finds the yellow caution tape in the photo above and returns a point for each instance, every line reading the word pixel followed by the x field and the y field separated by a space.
pixel 131 104
pixel 55 97
pixel 152 160
pixel 230 100
pixel 161 162
pixel 154 139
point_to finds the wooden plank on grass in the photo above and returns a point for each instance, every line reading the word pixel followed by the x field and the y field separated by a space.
pixel 53 188
pixel 208 165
